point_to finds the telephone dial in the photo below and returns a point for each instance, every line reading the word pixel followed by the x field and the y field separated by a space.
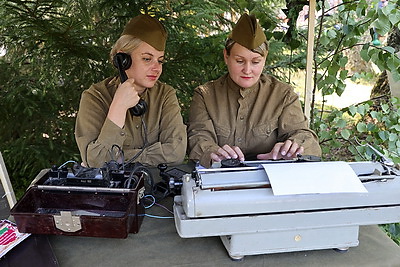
pixel 122 62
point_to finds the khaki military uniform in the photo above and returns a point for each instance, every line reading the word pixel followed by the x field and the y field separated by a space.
pixel 95 134
pixel 253 119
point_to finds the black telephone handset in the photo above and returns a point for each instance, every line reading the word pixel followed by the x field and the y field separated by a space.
pixel 122 62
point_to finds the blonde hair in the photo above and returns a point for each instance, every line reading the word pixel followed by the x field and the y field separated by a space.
pixel 125 44
pixel 262 49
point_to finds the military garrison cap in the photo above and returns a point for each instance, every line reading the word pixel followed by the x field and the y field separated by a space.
pixel 247 32
pixel 147 29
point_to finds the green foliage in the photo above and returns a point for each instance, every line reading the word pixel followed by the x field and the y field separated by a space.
pixel 341 31
pixel 358 125
pixel 393 231
pixel 41 84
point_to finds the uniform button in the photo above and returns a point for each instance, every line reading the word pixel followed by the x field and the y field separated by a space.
pixel 239 140
pixel 241 118
pixel 122 133
pixel 137 126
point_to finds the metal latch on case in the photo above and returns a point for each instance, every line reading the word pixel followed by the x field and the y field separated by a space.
pixel 66 222
pixel 140 194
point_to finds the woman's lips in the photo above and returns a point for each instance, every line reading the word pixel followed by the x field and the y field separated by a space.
pixel 152 77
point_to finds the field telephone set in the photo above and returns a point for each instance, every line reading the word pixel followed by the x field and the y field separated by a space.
pixel 122 62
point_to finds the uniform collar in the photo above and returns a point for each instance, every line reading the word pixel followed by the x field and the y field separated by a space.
pixel 243 91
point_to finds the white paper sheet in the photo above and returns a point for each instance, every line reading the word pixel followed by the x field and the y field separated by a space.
pixel 313 178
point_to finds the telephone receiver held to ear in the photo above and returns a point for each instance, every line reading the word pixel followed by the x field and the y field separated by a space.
pixel 122 62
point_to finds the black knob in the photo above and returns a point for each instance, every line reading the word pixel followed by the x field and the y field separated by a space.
pixel 227 163
pixel 162 167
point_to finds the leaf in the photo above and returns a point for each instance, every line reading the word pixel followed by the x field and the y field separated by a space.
pixel 353 150
pixel 361 127
pixel 340 87
pixel 360 11
pixel 385 108
pixel 330 79
pixel 343 61
pixel 389 49
pixel 381 63
pixel 353 110
pixel 325 64
pixel 345 134
pixel 393 137
pixel 396 74
pixel 394 18
pixel 396 127
pixel 334 68
pixel 341 123
pixel 364 55
pixel 371 127
pixel 374 114
pixel 278 35
pixel 324 40
pixel 395 101
pixel 343 74
pixel 382 24
pixel 391 63
pixel 361 109
pixel 392 145
pixel 294 43
pixel 383 135
pixel 331 34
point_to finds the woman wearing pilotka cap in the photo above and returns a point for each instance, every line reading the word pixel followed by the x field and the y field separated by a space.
pixel 105 121
pixel 245 114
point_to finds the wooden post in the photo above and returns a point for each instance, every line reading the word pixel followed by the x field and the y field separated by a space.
pixel 5 180
pixel 310 55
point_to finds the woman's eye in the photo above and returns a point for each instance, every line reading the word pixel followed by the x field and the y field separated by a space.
pixel 147 59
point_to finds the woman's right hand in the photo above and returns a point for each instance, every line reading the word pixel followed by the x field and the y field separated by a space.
pixel 125 97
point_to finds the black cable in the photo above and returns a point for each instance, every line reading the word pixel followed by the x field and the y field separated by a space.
pixel 128 182
pixel 119 152
pixel 150 180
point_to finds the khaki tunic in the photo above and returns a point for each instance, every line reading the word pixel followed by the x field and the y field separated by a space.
pixel 95 134
pixel 253 119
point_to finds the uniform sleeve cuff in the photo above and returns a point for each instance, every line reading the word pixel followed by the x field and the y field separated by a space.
pixel 111 134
